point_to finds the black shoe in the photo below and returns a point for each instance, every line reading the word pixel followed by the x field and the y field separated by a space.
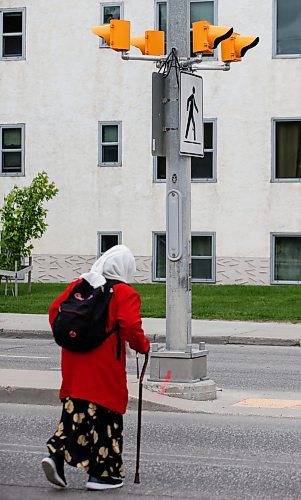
pixel 54 470
pixel 104 483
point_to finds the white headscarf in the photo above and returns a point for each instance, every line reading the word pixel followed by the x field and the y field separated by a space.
pixel 118 263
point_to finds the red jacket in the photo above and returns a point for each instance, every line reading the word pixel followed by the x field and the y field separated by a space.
pixel 97 375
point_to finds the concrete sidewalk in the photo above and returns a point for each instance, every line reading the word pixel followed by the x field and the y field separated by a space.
pixel 211 332
pixel 41 387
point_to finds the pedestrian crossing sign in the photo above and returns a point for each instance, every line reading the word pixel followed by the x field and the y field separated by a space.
pixel 191 115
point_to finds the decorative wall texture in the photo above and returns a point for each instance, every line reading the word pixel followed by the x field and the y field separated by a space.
pixel 242 271
pixel 65 268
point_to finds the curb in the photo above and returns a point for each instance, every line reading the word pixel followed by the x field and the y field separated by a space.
pixel 159 338
pixel 50 397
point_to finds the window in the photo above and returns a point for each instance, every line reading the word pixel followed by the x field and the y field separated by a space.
pixel 202 257
pixel 201 10
pixel 162 16
pixel 107 240
pixel 286 150
pixel 12 30
pixel 110 11
pixel 161 19
pixel 159 259
pixel 109 143
pixel 287 31
pixel 286 258
pixel 12 150
pixel 202 169
pixel 160 168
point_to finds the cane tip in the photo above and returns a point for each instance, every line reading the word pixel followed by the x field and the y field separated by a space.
pixel 137 479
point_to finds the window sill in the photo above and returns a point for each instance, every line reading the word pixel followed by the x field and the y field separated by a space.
pixel 13 58
pixel 274 282
pixel 286 180
pixel 286 56
pixel 13 174
pixel 195 281
pixel 101 165
pixel 193 181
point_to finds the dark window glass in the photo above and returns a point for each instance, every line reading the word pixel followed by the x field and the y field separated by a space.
pixel 288 150
pixel 288 27
pixel 287 258
pixel 111 12
pixel 12 22
pixel 11 138
pixel 12 46
pixel 110 133
pixel 11 162
pixel 201 11
pixel 201 246
pixel 161 167
pixel 208 135
pixel 162 17
pixel 201 269
pixel 202 168
pixel 161 256
pixel 109 154
pixel 108 241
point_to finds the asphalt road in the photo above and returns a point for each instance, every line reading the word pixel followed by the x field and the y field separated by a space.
pixel 230 366
pixel 182 456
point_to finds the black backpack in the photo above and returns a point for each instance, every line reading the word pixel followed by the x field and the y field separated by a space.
pixel 80 325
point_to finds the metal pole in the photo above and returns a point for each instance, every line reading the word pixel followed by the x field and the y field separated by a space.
pixel 178 177
pixel 185 366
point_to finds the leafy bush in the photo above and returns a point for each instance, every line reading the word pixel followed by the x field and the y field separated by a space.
pixel 23 219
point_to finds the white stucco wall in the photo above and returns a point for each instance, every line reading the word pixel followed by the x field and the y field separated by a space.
pixel 67 84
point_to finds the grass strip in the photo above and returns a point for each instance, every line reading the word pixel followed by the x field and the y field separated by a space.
pixel 224 302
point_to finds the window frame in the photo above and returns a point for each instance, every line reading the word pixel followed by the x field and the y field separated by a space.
pixel 154 256
pixel 157 3
pixel 102 42
pixel 275 179
pixel 100 234
pixel 193 233
pixel 215 22
pixel 119 144
pixel 214 153
pixel 273 237
pixel 275 55
pixel 215 10
pixel 212 257
pixel 22 34
pixel 22 149
pixel 214 159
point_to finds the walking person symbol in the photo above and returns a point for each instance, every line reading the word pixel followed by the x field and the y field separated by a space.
pixel 191 104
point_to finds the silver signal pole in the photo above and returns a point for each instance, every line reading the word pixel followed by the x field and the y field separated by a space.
pixel 187 366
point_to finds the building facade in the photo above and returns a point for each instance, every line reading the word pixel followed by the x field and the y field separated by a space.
pixel 72 107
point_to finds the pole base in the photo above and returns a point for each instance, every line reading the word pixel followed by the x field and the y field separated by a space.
pixel 203 390
pixel 181 374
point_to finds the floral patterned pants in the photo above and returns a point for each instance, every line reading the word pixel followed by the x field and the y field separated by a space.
pixel 89 437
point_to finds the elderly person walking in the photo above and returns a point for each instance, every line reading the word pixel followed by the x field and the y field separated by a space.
pixel 94 386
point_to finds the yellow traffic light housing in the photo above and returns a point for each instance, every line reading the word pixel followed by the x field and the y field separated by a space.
pixel 152 43
pixel 236 46
pixel 116 34
pixel 206 37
